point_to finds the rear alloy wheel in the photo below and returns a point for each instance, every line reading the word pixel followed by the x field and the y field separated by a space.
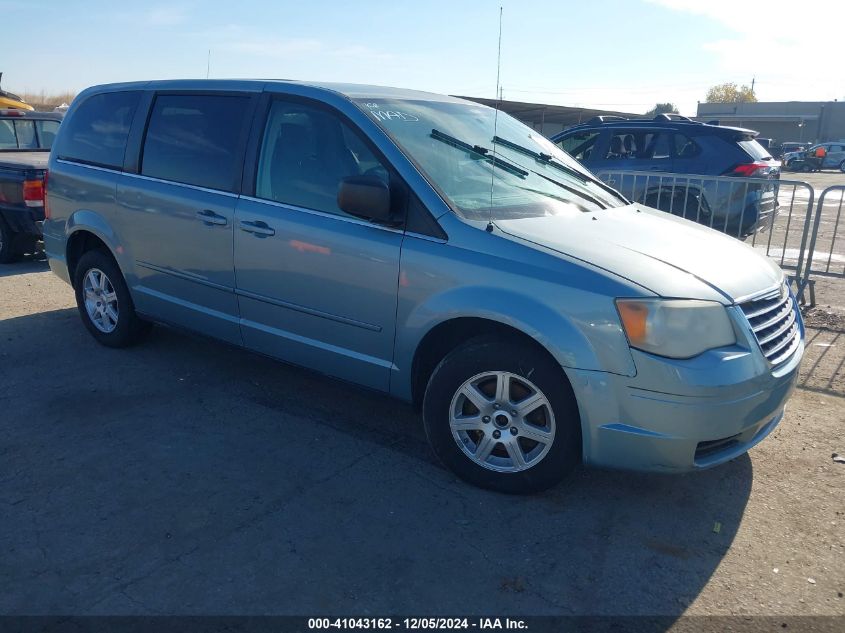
pixel 104 302
pixel 502 415
pixel 100 300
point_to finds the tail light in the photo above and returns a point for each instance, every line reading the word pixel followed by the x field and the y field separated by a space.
pixel 749 170
pixel 33 193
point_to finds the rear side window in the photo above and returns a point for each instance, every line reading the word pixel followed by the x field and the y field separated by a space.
pixel 95 134
pixel 638 144
pixel 195 139
pixel 685 147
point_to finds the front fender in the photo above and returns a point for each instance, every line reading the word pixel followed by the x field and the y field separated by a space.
pixel 563 335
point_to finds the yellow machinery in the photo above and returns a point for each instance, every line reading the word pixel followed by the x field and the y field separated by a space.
pixel 8 100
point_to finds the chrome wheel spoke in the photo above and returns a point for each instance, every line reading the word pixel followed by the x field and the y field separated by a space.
pixel 110 297
pixel 478 400
pixel 503 387
pixel 111 314
pixel 467 423
pixel 529 404
pixel 485 446
pixel 516 454
pixel 538 435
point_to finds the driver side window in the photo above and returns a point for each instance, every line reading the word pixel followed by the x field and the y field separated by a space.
pixel 305 154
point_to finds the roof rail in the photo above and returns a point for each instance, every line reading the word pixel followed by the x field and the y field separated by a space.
pixel 671 116
pixel 604 118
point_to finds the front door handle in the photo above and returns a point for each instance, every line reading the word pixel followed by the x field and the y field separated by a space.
pixel 257 228
pixel 211 218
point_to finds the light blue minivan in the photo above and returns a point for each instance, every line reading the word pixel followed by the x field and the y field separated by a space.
pixel 429 248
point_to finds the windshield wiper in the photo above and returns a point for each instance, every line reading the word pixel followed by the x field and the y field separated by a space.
pixel 482 153
pixel 548 159
pixel 544 158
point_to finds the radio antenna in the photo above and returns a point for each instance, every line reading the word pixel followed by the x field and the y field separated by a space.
pixel 495 121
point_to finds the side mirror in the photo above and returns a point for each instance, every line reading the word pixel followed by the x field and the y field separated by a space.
pixel 365 197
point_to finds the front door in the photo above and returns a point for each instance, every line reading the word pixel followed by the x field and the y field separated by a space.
pixel 178 213
pixel 835 156
pixel 316 287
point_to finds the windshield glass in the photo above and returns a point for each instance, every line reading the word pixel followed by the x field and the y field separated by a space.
pixel 520 173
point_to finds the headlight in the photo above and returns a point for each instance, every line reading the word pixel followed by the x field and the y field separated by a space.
pixel 677 328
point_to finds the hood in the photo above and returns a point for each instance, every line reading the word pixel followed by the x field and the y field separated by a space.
pixel 668 255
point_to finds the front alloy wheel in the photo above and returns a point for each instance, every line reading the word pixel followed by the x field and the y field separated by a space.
pixel 502 421
pixel 500 412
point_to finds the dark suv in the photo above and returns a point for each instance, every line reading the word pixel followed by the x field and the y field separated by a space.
pixel 678 145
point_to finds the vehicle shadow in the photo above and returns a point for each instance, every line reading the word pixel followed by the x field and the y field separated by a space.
pixel 26 264
pixel 186 477
pixel 823 366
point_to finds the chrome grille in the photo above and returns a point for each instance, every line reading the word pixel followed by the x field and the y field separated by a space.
pixel 775 322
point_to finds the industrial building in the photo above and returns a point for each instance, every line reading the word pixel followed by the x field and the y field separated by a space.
pixel 802 121
pixel 546 119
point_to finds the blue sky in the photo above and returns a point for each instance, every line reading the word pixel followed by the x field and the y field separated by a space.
pixel 615 54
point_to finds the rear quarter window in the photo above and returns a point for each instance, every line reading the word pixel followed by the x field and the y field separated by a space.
pixel 96 132
pixel 754 149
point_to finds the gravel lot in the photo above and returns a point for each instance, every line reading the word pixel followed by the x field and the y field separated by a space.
pixel 184 476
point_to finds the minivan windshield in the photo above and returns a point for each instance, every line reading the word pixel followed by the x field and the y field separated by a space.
pixel 488 168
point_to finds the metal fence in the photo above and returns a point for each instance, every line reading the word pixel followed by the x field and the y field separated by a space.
pixel 773 216
pixel 826 252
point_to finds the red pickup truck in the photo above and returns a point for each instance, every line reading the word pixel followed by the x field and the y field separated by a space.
pixel 25 141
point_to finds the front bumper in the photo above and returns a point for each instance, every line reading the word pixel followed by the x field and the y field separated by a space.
pixel 677 416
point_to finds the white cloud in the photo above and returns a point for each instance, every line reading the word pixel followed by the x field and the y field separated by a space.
pixel 793 49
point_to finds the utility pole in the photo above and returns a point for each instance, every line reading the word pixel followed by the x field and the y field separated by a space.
pixel 753 79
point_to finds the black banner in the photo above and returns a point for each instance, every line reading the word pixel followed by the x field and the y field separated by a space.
pixel 307 624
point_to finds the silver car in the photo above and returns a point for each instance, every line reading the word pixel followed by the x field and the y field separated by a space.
pixel 432 249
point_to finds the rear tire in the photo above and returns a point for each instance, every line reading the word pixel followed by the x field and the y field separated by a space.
pixel 104 303
pixel 842 166
pixel 8 248
pixel 502 415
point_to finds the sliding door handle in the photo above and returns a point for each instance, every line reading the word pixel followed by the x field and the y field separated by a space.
pixel 258 228
pixel 211 218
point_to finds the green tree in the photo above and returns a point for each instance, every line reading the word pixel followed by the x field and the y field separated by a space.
pixel 662 108
pixel 730 93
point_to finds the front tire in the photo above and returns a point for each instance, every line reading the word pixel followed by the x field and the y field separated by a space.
pixel 502 415
pixel 842 166
pixel 104 303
